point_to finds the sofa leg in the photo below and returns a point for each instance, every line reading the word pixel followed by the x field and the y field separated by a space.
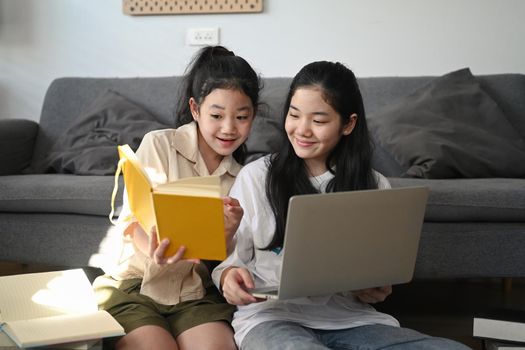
pixel 507 285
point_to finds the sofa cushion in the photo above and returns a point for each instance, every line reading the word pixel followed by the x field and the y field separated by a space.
pixel 67 97
pixel 450 128
pixel 89 145
pixel 58 193
pixel 464 200
pixel 264 138
pixel 507 91
pixel 267 129
pixel 384 162
pixel 18 137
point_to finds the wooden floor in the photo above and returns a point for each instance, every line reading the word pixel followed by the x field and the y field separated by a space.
pixel 446 308
pixel 440 308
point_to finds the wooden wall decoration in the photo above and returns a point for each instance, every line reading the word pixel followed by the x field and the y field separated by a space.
pixel 179 7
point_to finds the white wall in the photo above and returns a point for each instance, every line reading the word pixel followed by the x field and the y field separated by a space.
pixel 44 39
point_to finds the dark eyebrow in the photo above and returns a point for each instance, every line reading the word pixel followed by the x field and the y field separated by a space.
pixel 244 108
pixel 321 113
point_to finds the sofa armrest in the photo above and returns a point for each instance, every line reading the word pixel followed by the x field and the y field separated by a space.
pixel 17 138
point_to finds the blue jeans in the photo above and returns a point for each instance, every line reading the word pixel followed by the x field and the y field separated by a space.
pixel 289 335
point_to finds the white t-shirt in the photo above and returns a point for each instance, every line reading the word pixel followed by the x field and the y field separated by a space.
pixel 337 311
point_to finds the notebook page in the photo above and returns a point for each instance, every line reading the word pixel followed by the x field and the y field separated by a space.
pixel 63 329
pixel 5 341
pixel 44 294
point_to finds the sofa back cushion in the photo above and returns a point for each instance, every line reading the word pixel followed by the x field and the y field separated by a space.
pixel 66 98
pixel 89 144
pixel 379 93
pixel 267 130
pixel 508 90
pixel 450 128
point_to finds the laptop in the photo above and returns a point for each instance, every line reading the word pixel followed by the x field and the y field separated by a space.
pixel 347 241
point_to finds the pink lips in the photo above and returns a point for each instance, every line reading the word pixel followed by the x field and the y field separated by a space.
pixel 226 143
pixel 303 143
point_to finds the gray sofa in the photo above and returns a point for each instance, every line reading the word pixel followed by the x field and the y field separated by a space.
pixel 474 227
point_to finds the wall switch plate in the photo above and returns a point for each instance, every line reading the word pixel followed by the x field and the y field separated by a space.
pixel 203 36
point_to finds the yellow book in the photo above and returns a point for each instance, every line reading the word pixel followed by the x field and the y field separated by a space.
pixel 51 308
pixel 189 211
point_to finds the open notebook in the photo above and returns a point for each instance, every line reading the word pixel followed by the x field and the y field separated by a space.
pixel 56 307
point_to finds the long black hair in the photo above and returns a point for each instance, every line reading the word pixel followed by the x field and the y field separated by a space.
pixel 215 67
pixel 350 160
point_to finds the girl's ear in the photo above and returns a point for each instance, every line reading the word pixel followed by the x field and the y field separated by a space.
pixel 349 127
pixel 194 108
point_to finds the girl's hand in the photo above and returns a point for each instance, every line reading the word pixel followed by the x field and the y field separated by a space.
pixel 157 251
pixel 235 281
pixel 373 295
pixel 232 218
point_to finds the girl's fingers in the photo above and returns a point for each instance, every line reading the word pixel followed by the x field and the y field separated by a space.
pixel 195 261
pixel 152 242
pixel 374 295
pixel 231 201
pixel 158 254
pixel 238 296
pixel 235 284
pixel 177 256
pixel 246 278
pixel 157 251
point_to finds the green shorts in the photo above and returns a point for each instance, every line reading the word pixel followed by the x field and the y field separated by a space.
pixel 133 310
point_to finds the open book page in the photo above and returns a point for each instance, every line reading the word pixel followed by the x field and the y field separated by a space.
pixel 5 342
pixel 202 186
pixel 63 329
pixel 53 307
pixel 94 344
pixel 45 294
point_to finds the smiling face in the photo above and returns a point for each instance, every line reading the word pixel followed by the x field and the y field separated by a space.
pixel 224 119
pixel 314 128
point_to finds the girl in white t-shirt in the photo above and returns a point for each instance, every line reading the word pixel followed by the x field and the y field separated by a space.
pixel 326 149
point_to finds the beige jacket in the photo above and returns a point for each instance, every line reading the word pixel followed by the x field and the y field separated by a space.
pixel 169 155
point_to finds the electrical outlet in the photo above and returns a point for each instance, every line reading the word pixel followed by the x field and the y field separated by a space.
pixel 203 36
